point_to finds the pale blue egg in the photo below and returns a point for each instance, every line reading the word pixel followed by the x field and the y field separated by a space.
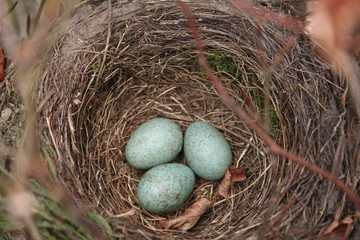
pixel 154 142
pixel 207 151
pixel 164 188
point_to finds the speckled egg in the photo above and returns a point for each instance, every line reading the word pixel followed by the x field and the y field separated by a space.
pixel 154 142
pixel 207 152
pixel 165 188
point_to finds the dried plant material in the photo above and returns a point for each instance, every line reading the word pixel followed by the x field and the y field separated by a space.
pixel 190 217
pixel 201 182
pixel 340 229
pixel 230 102
pixel 332 25
pixel 225 185
pixel 114 102
pixel 262 14
pixel 2 65
pixel 237 174
pixel 232 175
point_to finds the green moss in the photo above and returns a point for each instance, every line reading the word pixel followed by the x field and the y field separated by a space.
pixel 95 67
pixel 251 74
pixel 226 66
pixel 220 62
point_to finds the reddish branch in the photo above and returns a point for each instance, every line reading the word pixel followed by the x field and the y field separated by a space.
pixel 265 15
pixel 229 101
pixel 2 65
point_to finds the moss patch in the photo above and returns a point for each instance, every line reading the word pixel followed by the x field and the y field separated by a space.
pixel 227 66
pixel 220 62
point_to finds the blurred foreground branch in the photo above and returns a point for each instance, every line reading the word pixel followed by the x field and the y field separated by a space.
pixel 332 25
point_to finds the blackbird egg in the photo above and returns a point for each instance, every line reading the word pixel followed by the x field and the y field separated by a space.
pixel 164 188
pixel 154 142
pixel 206 150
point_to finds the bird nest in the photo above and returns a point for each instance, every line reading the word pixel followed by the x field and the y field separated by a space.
pixel 116 66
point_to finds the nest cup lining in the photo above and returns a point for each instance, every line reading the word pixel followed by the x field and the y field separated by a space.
pixel 107 85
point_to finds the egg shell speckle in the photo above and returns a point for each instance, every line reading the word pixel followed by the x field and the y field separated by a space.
pixel 207 151
pixel 154 142
pixel 164 188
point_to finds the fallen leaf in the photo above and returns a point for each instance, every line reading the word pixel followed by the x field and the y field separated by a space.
pixel 237 174
pixel 232 175
pixel 225 185
pixel 2 65
pixel 340 229
pixel 190 217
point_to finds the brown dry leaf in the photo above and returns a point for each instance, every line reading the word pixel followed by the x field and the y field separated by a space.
pixel 225 185
pixel 232 175
pixel 2 65
pixel 340 229
pixel 190 217
pixel 237 174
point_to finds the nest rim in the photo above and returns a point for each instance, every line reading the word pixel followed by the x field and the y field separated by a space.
pixel 82 105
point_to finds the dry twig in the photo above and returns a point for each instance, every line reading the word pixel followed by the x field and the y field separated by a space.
pixel 2 65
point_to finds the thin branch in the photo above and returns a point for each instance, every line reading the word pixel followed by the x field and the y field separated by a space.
pixel 229 101
pixel 262 14
pixel 28 25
